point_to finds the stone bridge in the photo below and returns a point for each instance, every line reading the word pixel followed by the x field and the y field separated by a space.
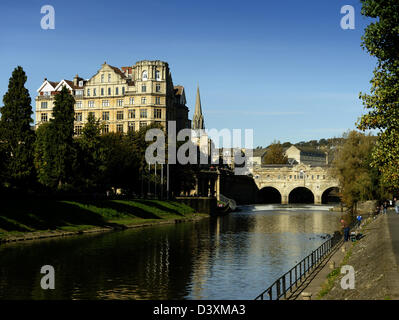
pixel 294 183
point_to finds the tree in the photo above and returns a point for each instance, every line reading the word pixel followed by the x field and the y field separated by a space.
pixel 275 154
pixel 351 165
pixel 88 155
pixel 16 136
pixel 55 151
pixel 381 40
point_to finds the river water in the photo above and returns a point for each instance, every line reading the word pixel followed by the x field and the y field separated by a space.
pixel 232 257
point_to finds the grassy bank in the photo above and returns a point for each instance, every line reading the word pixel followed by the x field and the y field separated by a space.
pixel 19 217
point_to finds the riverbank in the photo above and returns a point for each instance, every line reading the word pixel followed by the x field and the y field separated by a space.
pixel 38 218
pixel 375 261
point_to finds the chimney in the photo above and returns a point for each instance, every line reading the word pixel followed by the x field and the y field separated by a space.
pixel 75 81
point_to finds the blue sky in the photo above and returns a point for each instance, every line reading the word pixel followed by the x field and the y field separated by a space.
pixel 284 68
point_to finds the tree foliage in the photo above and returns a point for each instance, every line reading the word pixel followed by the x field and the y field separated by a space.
pixel 16 136
pixel 275 154
pixel 381 40
pixel 351 165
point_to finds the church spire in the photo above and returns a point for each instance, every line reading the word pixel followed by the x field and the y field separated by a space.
pixel 198 119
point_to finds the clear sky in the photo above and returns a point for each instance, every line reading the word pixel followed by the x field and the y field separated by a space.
pixel 284 68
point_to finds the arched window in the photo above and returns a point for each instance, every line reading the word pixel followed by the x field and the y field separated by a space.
pixel 157 75
pixel 145 75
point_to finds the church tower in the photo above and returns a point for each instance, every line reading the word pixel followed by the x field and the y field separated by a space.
pixel 198 118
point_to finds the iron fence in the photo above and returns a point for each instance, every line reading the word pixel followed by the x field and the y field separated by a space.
pixel 291 279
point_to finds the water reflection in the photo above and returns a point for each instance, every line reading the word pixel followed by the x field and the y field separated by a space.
pixel 232 257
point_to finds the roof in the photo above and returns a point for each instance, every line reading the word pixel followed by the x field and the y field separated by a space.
pixel 259 152
pixel 311 151
pixel 118 71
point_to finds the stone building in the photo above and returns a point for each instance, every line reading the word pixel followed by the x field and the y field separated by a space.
pixel 124 99
pixel 297 155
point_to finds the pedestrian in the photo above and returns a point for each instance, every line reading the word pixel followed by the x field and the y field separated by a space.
pixel 346 229
pixel 396 205
pixel 359 220
pixel 385 205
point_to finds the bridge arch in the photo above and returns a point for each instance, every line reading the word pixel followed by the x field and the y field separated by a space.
pixel 269 194
pixel 330 195
pixel 301 194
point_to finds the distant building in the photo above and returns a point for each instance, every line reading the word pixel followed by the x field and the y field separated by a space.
pixel 125 99
pixel 305 155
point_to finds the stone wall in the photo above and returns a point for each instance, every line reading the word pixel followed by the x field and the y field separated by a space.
pixel 206 205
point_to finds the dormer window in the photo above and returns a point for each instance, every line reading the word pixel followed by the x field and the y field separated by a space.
pixel 145 75
pixel 80 83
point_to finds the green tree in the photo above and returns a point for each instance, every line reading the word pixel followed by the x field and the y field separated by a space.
pixel 16 136
pixel 88 147
pixel 275 154
pixel 381 40
pixel 55 151
pixel 358 180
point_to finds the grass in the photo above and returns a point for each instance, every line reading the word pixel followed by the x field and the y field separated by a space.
pixel 31 215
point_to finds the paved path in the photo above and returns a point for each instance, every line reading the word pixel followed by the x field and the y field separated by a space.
pixel 393 223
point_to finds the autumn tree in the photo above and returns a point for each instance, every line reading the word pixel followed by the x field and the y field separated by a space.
pixel 275 154
pixel 358 180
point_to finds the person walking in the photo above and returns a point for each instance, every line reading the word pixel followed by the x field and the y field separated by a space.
pixel 396 205
pixel 346 229
pixel 385 205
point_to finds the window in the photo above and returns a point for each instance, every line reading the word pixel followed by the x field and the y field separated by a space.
pixel 109 77
pixel 78 116
pixel 143 100
pixel 94 92
pixel 44 117
pixel 157 113
pixel 44 105
pixel 91 103
pixel 131 101
pixel 92 114
pixel 123 90
pixel 318 177
pixel 157 75
pixel 157 100
pixel 109 91
pixel 143 88
pixel 119 128
pixel 105 103
pixel 290 177
pixel 143 124
pixel 158 88
pixel 47 93
pixel 132 114
pixel 102 78
pixel 105 129
pixel 324 177
pixel 79 92
pixel 119 115
pixel 88 92
pixel 120 102
pixel 78 130
pixel 143 113
pixel 105 116
pixel 130 126
pixel 116 91
pixel 78 104
pixel 144 75
pixel 102 91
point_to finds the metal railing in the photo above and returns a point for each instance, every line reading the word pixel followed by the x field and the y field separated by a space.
pixel 294 277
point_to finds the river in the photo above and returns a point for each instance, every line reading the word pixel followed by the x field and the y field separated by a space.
pixel 232 257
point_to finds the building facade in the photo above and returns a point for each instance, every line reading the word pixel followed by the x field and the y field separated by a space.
pixel 125 99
